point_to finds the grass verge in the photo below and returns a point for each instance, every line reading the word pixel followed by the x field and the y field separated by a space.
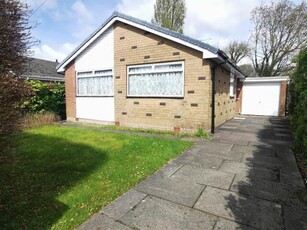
pixel 60 176
pixel 200 133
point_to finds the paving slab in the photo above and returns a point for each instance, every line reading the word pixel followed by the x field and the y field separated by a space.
pixel 254 149
pixel 181 192
pixel 250 171
pixel 261 160
pixel 204 176
pixel 123 204
pixel 295 218
pixel 268 190
pixel 213 148
pixel 102 222
pixel 210 161
pixel 247 210
pixel 223 224
pixel 231 155
pixel 155 213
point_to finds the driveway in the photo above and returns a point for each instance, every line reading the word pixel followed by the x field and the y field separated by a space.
pixel 246 177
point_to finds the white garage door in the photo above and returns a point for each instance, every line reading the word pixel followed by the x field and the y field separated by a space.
pixel 261 98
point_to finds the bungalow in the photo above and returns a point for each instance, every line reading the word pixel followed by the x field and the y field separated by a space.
pixel 133 73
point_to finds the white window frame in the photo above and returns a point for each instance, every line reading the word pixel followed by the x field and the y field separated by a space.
pixel 91 74
pixel 232 93
pixel 152 71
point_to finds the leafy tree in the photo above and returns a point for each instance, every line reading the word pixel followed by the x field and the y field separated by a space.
pixel 15 41
pixel 298 104
pixel 170 14
pixel 237 51
pixel 280 29
pixel 248 70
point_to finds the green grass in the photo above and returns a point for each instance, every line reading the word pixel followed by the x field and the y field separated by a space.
pixel 60 176
pixel 201 133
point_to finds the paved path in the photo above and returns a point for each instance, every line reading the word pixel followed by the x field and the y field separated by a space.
pixel 245 178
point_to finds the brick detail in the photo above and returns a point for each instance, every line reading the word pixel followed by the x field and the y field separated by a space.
pixel 194 105
pixel 191 91
pixel 147 57
pixel 176 53
pixel 134 47
pixel 122 38
pixel 122 59
pixel 136 103
pixel 117 77
pixel 148 114
pixel 117 123
pixel 176 129
pixel 282 99
pixel 177 116
pixel 223 102
pixel 119 91
pixel 201 78
pixel 163 116
pixel 124 113
pixel 70 88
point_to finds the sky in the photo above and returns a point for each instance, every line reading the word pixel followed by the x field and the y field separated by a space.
pixel 61 25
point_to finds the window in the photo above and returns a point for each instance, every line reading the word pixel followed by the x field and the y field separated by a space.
pixel 156 80
pixel 232 85
pixel 95 83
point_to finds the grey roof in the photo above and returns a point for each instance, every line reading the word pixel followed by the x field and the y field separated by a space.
pixel 157 28
pixel 39 69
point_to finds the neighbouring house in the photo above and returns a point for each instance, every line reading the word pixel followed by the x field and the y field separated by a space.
pixel 42 70
pixel 133 73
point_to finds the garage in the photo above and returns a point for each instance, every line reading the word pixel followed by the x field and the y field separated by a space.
pixel 264 96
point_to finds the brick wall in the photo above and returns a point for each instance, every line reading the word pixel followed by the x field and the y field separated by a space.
pixel 134 46
pixel 70 90
pixel 239 96
pixel 225 106
pixel 282 100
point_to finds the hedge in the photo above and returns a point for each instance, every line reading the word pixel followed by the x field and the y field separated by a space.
pixel 46 97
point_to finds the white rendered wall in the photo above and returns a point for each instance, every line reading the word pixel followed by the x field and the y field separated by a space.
pixel 98 56
pixel 95 108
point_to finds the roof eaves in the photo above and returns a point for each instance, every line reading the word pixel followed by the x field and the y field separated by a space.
pixel 148 25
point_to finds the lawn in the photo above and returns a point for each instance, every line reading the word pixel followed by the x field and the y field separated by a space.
pixel 60 176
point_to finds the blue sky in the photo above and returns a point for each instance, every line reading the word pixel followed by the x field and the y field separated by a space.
pixel 64 24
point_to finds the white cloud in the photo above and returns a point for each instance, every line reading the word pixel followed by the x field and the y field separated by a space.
pixel 213 21
pixel 47 52
pixel 142 9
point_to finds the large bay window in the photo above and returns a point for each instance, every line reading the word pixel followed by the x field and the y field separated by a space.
pixel 95 83
pixel 156 80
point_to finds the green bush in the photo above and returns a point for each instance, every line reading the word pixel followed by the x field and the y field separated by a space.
pixel 298 105
pixel 46 97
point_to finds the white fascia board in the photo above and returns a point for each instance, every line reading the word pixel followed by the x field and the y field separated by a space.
pixel 62 69
pixel 267 79
pixel 206 53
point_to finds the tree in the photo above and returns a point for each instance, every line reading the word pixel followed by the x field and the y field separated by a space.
pixel 298 105
pixel 248 70
pixel 15 41
pixel 170 14
pixel 237 51
pixel 280 29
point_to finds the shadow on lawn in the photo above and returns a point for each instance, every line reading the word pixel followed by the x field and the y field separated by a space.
pixel 43 168
pixel 271 196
